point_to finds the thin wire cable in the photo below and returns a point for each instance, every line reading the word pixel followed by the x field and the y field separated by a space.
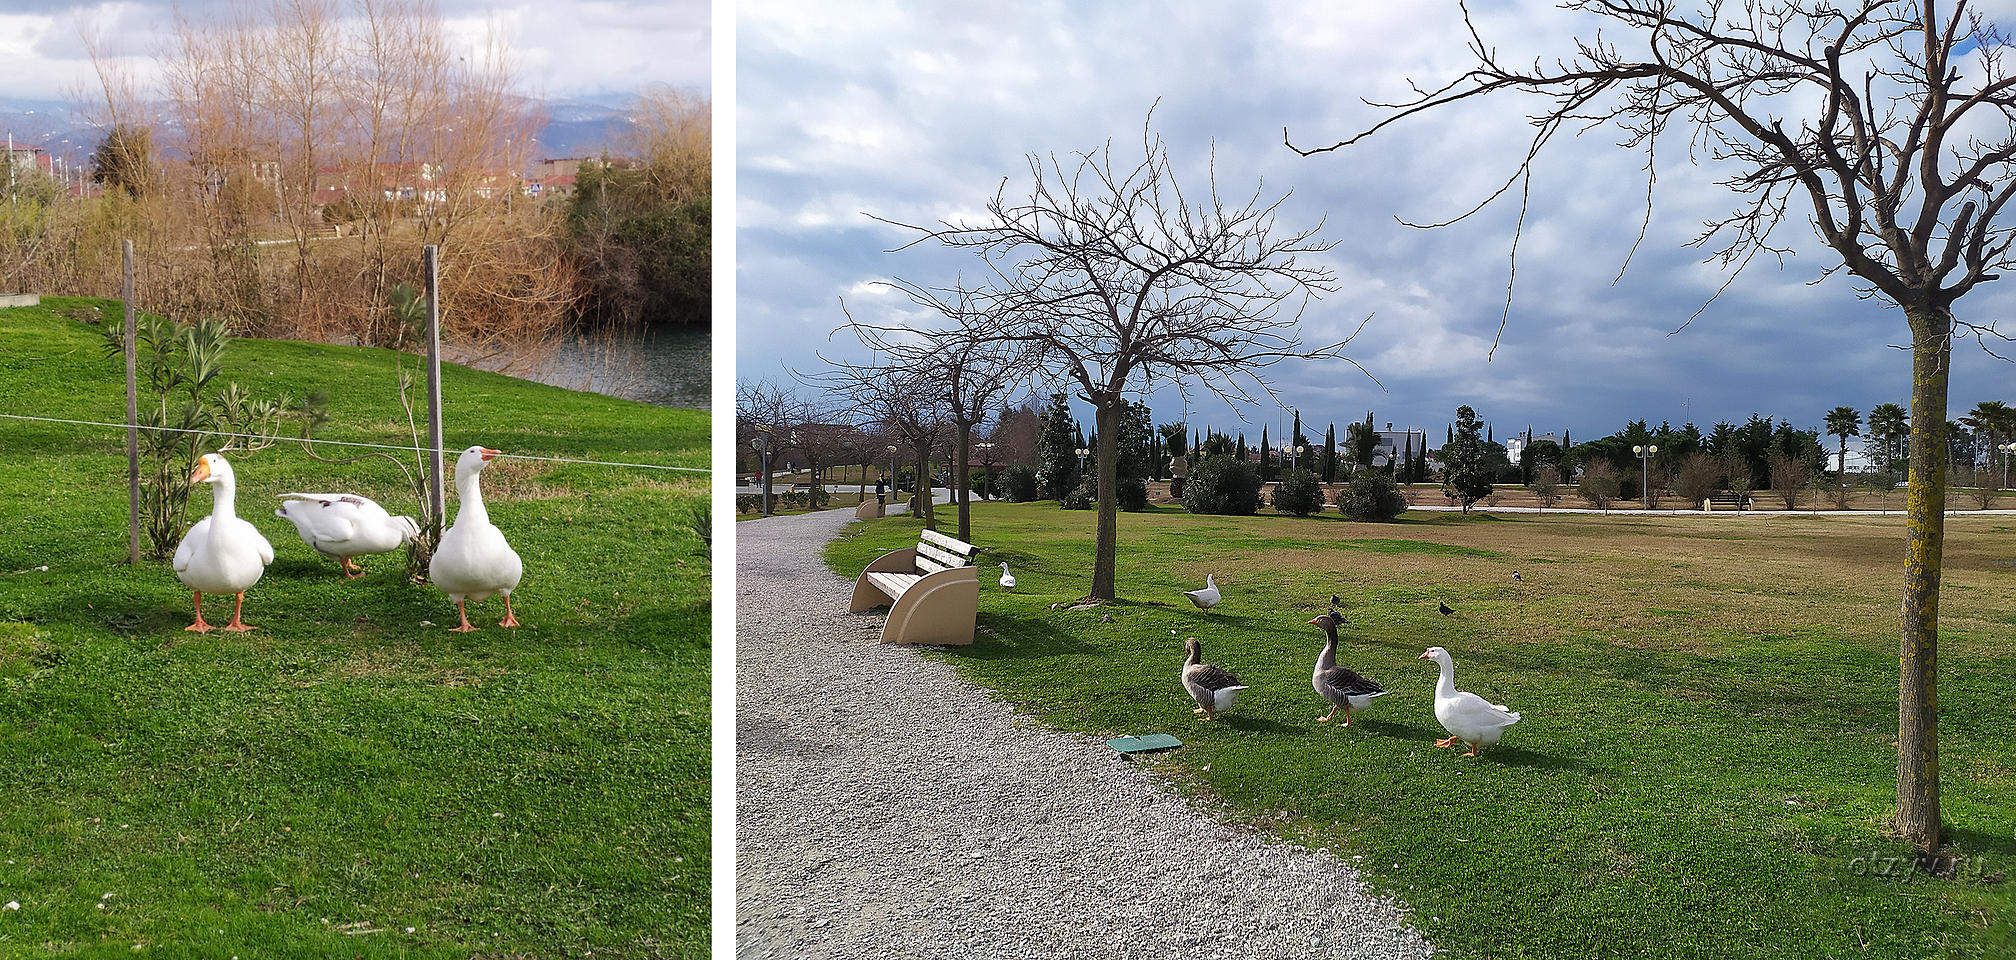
pixel 349 443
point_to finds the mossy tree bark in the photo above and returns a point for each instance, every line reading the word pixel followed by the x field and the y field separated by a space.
pixel 1925 522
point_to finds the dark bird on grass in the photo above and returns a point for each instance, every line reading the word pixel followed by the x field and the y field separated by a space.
pixel 1516 577
pixel 1444 608
pixel 1334 602
pixel 1212 686
pixel 1344 688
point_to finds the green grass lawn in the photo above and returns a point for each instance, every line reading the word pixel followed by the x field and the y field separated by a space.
pixel 351 769
pixel 1707 757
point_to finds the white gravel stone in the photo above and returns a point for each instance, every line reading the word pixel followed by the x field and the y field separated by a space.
pixel 886 808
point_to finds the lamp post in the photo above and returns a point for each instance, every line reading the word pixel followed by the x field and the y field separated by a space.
pixel 986 448
pixel 761 441
pixel 1645 471
pixel 892 473
pixel 2007 449
pixel 1295 455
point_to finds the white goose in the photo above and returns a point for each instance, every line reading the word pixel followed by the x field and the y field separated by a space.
pixel 345 525
pixel 1208 597
pixel 1007 579
pixel 1467 716
pixel 473 560
pixel 221 553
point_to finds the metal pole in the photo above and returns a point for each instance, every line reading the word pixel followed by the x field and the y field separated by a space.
pixel 132 405
pixel 437 493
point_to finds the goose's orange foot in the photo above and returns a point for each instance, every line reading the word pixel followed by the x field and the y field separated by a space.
pixel 510 619
pixel 351 571
pixel 237 624
pixel 466 626
pixel 1476 750
pixel 199 626
pixel 1446 742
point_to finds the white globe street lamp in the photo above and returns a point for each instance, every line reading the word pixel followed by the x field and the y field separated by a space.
pixel 1645 471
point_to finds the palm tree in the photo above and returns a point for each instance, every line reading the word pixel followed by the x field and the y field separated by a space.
pixel 1843 422
pixel 1887 421
pixel 1994 421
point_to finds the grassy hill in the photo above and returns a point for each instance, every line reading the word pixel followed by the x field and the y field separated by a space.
pixel 351 769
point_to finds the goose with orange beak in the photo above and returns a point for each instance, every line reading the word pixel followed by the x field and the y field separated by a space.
pixel 474 562
pixel 221 553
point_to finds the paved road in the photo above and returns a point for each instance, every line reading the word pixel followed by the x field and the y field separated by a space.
pixel 886 808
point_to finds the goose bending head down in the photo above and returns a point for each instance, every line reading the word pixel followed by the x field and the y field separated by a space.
pixel 474 562
pixel 1467 716
pixel 1213 687
pixel 221 553
pixel 345 525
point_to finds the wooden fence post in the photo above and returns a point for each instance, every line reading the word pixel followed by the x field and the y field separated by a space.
pixel 132 412
pixel 437 492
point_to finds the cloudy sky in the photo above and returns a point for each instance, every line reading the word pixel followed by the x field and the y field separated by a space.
pixel 564 48
pixel 917 111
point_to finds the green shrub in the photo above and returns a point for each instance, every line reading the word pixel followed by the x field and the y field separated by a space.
pixel 1080 497
pixel 1222 485
pixel 1018 484
pixel 1371 495
pixel 1299 493
pixel 1133 494
pixel 748 502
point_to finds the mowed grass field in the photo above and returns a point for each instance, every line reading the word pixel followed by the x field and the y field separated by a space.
pixel 1707 757
pixel 351 779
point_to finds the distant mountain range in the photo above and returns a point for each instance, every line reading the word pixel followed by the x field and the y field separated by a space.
pixel 574 127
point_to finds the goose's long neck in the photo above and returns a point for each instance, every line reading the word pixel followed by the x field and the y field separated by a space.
pixel 224 498
pixel 1192 655
pixel 1446 686
pixel 1328 659
pixel 469 489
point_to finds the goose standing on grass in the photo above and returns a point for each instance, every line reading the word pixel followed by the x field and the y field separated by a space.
pixel 1345 689
pixel 221 553
pixel 1208 597
pixel 1213 687
pixel 344 525
pixel 1007 579
pixel 1467 716
pixel 473 560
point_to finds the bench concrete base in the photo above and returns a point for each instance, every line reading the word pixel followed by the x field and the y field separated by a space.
pixel 935 608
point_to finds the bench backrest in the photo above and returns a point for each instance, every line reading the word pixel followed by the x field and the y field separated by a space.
pixel 936 551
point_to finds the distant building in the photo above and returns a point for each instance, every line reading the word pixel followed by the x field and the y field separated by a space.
pixel 1516 445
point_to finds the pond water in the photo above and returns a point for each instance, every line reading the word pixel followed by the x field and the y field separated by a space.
pixel 666 366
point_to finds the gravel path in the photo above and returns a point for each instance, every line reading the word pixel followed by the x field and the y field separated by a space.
pixel 861 834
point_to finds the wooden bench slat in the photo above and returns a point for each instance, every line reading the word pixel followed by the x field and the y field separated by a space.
pixel 960 547
pixel 944 560
pixel 928 565
pixel 893 584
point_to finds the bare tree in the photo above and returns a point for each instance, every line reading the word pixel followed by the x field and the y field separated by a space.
pixel 1599 484
pixel 765 414
pixel 1546 485
pixel 1790 476
pixel 1695 482
pixel 972 368
pixel 1113 280
pixel 1895 124
pixel 905 402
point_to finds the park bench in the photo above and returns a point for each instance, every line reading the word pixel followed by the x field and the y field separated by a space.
pixel 868 510
pixel 932 590
pixel 1730 501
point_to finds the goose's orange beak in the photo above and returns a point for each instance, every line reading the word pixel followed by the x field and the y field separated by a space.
pixel 1313 623
pixel 201 473
pixel 488 453
pixel 1424 656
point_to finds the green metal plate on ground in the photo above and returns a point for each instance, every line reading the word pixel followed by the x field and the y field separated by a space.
pixel 1147 744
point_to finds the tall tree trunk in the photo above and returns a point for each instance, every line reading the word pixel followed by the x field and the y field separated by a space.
pixel 961 463
pixel 920 492
pixel 1107 416
pixel 1925 521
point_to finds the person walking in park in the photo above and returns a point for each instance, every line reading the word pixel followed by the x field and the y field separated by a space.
pixel 881 491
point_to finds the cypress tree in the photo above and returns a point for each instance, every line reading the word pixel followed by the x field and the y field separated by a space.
pixel 1266 470
pixel 1330 454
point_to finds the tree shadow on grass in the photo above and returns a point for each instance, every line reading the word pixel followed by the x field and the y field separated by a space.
pixel 1020 638
pixel 1522 757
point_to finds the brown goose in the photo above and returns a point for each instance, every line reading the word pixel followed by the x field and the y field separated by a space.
pixel 1345 689
pixel 1212 686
